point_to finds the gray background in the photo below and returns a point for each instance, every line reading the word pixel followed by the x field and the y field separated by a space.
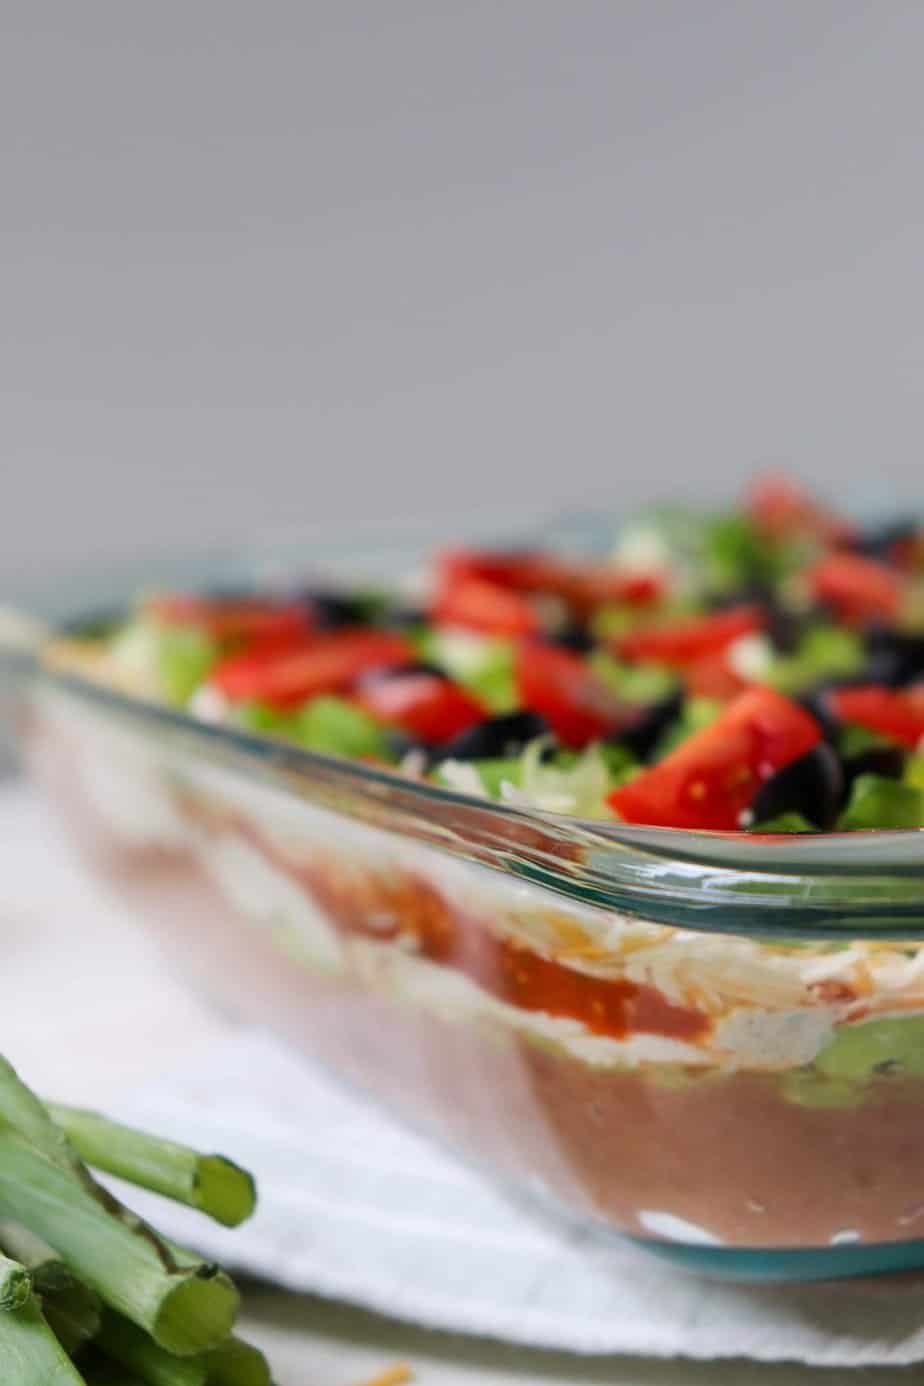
pixel 273 266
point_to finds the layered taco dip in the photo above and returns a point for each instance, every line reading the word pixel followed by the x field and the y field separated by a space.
pixel 757 674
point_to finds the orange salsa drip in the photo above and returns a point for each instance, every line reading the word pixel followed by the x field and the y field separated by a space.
pixel 410 908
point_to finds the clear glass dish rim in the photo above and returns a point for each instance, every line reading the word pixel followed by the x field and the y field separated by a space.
pixel 789 887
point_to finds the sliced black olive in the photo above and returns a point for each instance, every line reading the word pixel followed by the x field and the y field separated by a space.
pixel 885 761
pixel 575 637
pixel 896 655
pixel 404 617
pixel 402 671
pixel 332 609
pixel 879 542
pixel 813 785
pixel 783 627
pixel 819 706
pixel 505 735
pixel 642 738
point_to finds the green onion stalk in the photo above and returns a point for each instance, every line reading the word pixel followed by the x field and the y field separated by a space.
pixel 91 1295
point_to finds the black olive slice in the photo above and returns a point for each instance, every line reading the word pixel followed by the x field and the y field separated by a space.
pixel 897 656
pixel 332 609
pixel 401 671
pixel 879 541
pixel 574 637
pixel 504 735
pixel 403 617
pixel 886 761
pixel 818 704
pixel 813 785
pixel 642 738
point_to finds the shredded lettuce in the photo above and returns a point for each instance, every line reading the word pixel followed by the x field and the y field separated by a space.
pixel 558 781
pixel 495 773
pixel 580 788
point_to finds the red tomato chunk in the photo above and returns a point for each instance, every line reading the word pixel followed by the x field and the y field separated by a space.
pixel 711 778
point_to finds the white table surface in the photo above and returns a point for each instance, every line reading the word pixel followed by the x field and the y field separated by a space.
pixel 88 1013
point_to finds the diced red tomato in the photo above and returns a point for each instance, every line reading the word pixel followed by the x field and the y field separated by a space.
pixel 712 777
pixel 858 589
pixel 712 676
pixel 521 570
pixel 635 588
pixel 581 585
pixel 328 664
pixel 896 713
pixel 564 689
pixel 780 507
pixel 486 607
pixel 246 622
pixel 682 642
pixel 424 704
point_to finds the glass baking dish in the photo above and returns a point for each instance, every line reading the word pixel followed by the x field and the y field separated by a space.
pixel 712 1043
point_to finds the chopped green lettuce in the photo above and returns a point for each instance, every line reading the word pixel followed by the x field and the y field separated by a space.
pixel 339 728
pixel 823 652
pixel 482 664
pixel 580 788
pixel 171 660
pixel 633 683
pixel 853 740
pixel 783 823
pixel 330 725
pixel 736 554
pixel 877 802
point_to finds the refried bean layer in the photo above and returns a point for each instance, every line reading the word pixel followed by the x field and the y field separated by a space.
pixel 726 1152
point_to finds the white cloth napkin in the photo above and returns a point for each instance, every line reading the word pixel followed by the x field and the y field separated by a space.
pixel 355 1206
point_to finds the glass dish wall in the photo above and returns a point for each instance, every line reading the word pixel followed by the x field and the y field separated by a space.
pixel 710 1042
